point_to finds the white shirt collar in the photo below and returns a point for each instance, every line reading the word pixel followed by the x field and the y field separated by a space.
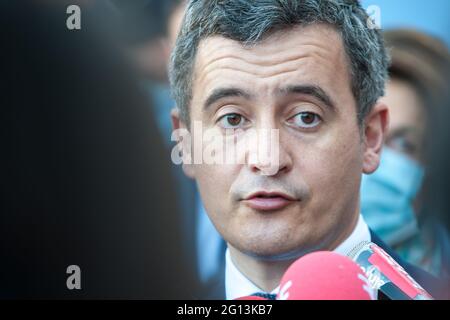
pixel 237 285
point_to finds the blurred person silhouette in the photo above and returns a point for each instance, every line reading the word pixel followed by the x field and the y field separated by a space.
pixel 391 198
pixel 437 181
pixel 85 176
pixel 149 26
pixel 151 52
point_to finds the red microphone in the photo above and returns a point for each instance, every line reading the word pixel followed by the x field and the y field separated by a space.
pixel 325 276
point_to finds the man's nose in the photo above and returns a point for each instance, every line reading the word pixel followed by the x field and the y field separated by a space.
pixel 267 155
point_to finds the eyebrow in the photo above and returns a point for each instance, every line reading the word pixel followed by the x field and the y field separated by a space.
pixel 221 93
pixel 311 90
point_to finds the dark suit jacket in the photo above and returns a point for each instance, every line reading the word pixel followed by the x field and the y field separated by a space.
pixel 437 288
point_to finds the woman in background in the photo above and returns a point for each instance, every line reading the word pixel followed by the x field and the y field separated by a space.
pixel 392 198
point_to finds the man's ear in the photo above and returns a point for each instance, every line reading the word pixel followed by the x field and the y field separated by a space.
pixel 185 144
pixel 375 129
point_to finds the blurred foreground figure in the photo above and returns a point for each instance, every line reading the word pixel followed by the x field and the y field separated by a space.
pixel 150 52
pixel 85 177
pixel 392 197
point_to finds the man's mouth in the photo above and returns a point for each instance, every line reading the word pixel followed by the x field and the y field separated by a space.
pixel 268 201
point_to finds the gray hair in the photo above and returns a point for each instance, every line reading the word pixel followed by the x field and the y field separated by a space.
pixel 248 21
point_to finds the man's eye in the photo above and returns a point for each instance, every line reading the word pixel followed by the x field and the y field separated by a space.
pixel 306 120
pixel 232 121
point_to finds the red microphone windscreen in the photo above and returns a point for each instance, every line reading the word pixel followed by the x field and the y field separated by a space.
pixel 324 276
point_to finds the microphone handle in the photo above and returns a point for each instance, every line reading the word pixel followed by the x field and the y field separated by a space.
pixel 362 254
pixel 394 292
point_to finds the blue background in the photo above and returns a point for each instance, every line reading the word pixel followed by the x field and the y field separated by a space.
pixel 431 16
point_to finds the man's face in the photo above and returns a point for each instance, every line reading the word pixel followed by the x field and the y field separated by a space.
pixel 296 81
